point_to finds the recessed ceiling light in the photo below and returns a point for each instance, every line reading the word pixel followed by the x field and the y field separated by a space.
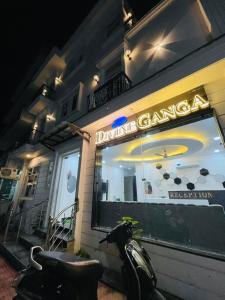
pixel 121 166
pixel 216 138
pixel 217 151
pixel 103 162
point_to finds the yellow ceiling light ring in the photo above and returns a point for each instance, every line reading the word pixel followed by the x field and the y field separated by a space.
pixel 165 136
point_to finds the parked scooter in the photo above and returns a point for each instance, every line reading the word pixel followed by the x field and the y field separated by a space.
pixel 57 275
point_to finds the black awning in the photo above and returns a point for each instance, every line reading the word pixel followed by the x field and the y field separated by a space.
pixel 62 133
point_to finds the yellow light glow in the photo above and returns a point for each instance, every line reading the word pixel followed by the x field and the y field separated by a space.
pixel 128 54
pixel 96 78
pixel 180 149
pixel 50 118
pixel 163 136
pixel 58 81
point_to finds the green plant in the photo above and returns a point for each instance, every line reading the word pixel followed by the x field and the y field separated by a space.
pixel 137 232
pixel 82 253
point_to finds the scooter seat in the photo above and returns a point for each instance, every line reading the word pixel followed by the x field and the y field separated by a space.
pixel 71 266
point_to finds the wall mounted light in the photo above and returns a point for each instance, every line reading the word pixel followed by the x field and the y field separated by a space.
pixel 44 91
pixel 50 117
pixel 58 81
pixel 35 127
pixel 96 78
pixel 128 54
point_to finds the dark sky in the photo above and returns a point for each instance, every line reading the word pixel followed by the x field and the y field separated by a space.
pixel 29 28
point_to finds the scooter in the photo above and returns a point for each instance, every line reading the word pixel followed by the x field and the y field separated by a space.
pixel 60 275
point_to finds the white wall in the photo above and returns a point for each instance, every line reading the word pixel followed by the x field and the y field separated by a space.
pixel 115 176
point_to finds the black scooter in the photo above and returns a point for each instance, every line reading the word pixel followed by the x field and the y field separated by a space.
pixel 58 275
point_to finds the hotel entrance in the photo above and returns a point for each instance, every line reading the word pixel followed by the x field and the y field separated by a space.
pixel 66 188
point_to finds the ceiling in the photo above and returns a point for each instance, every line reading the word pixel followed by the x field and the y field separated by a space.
pixel 198 138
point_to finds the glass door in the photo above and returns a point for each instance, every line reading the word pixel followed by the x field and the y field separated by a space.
pixel 67 187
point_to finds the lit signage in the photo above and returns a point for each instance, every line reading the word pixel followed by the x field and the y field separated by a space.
pixel 148 120
pixel 119 122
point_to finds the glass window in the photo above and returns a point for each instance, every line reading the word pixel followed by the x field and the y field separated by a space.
pixel 172 181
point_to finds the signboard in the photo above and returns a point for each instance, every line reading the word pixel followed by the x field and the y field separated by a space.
pixel 213 197
pixel 198 195
pixel 172 109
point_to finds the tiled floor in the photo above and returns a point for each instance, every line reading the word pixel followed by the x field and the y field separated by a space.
pixel 7 274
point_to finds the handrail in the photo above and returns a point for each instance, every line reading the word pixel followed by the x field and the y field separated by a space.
pixel 57 232
pixel 12 214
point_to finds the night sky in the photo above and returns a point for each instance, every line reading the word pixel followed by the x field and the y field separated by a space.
pixel 29 29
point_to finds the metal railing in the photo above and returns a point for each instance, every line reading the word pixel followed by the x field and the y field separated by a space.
pixel 111 89
pixel 58 229
pixel 19 217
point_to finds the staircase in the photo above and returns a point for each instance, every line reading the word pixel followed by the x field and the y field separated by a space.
pixel 25 230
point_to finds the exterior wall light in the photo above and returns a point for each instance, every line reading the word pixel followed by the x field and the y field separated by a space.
pixel 58 81
pixel 96 78
pixel 128 54
pixel 44 91
pixel 50 117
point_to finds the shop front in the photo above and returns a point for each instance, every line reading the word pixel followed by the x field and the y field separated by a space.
pixel 164 167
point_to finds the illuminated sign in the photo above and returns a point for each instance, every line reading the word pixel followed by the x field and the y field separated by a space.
pixel 148 120
pixel 119 122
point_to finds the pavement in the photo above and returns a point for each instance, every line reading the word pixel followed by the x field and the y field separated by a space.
pixel 7 274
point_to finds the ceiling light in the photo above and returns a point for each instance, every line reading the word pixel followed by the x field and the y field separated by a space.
pixel 216 138
pixel 121 166
pixel 216 151
pixel 28 156
pixel 103 161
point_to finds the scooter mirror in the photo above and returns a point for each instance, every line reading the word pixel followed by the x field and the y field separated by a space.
pixel 34 263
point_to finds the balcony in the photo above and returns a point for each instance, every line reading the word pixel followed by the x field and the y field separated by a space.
pixel 43 98
pixel 26 146
pixel 111 89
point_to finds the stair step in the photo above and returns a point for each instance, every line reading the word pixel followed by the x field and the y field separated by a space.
pixel 29 241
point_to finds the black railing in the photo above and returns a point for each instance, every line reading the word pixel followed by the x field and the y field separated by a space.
pixel 111 89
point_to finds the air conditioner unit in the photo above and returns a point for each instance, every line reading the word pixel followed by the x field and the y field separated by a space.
pixel 9 173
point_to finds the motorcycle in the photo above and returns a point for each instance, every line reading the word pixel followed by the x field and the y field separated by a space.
pixel 61 275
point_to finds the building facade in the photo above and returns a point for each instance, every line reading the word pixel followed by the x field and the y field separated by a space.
pixel 147 100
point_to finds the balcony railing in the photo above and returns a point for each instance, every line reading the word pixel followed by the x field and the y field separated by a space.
pixel 111 89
